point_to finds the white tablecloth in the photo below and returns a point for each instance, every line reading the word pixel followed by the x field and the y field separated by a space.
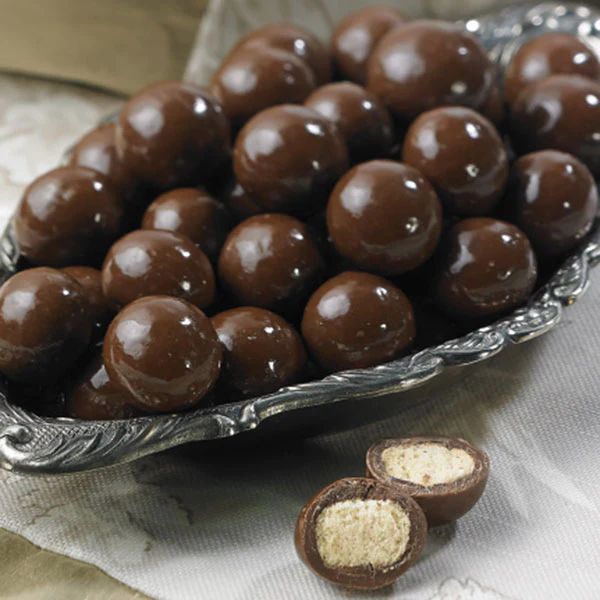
pixel 189 524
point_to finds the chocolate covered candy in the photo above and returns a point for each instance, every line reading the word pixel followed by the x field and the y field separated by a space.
pixel 360 533
pixel 362 120
pixel 486 267
pixel 553 198
pixel 150 262
pixel 262 351
pixel 67 216
pixel 460 152
pixel 270 261
pixel 424 64
pixel 287 159
pixel 561 112
pixel 357 320
pixel 384 216
pixel 355 37
pixel 164 352
pixel 172 134
pixel 192 212
pixel 45 325
pixel 446 476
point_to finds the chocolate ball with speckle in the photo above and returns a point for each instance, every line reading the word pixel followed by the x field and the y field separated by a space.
pixel 486 267
pixel 151 262
pixel 355 37
pixel 357 320
pixel 93 396
pixel 384 216
pixel 270 261
pixel 362 120
pixel 67 216
pixel 262 351
pixel 291 38
pixel 252 79
pixel 192 212
pixel 90 281
pixel 288 158
pixel 45 325
pixel 425 64
pixel 172 134
pixel 553 198
pixel 164 352
pixel 561 112
pixel 549 54
pixel 460 152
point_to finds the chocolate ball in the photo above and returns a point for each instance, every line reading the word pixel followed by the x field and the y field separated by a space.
pixel 151 262
pixel 172 134
pixel 93 396
pixel 460 152
pixel 252 79
pixel 67 216
pixel 262 351
pixel 384 216
pixel 553 198
pixel 425 64
pixel 191 212
pixel 549 54
pixel 357 320
pixel 90 281
pixel 45 325
pixel 270 261
pixel 164 352
pixel 561 112
pixel 293 39
pixel 362 120
pixel 288 158
pixel 355 37
pixel 97 150
pixel 487 267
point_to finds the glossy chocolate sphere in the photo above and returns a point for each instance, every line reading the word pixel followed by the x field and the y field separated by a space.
pixel 549 54
pixel 270 261
pixel 553 198
pixel 461 154
pixel 355 37
pixel 262 351
pixel 288 158
pixel 164 352
pixel 93 396
pixel 150 262
pixel 561 112
pixel 425 64
pixel 97 150
pixel 384 216
pixel 191 212
pixel 486 267
pixel 362 120
pixel 172 134
pixel 290 38
pixel 68 216
pixel 45 325
pixel 357 320
pixel 90 281
pixel 252 79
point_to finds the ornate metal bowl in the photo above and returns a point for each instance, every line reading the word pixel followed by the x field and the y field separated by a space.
pixel 34 444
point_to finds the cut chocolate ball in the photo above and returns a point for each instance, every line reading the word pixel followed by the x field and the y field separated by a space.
pixel 446 476
pixel 360 533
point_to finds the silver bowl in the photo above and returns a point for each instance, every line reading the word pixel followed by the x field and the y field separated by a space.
pixel 33 444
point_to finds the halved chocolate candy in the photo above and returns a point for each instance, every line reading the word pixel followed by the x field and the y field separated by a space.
pixel 360 533
pixel 446 476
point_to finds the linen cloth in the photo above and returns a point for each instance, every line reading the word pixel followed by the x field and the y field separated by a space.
pixel 193 523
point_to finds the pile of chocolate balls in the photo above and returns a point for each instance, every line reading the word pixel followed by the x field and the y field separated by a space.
pixel 316 208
